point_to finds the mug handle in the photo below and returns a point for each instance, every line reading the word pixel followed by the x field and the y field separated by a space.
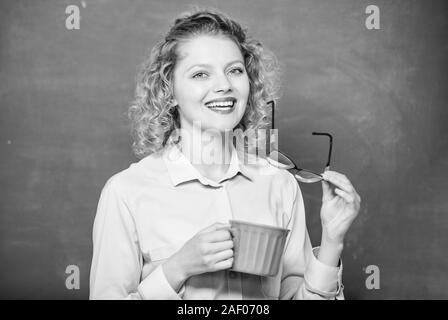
pixel 232 232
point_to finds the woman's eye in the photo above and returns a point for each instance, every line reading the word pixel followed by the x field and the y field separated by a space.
pixel 237 71
pixel 200 75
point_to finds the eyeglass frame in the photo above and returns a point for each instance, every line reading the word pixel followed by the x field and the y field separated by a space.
pixel 327 166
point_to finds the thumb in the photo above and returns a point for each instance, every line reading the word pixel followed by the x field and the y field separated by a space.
pixel 327 193
pixel 215 226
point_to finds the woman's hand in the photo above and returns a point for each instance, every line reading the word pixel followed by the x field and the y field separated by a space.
pixel 340 206
pixel 210 250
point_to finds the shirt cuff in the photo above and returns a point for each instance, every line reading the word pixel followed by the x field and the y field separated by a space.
pixel 156 287
pixel 323 279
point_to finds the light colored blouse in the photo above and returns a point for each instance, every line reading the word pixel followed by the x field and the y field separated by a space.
pixel 148 211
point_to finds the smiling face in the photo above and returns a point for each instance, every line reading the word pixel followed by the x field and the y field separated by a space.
pixel 211 84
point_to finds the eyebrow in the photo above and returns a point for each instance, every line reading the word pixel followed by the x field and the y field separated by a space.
pixel 205 65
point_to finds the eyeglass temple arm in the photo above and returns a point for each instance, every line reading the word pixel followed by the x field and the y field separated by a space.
pixel 327 166
pixel 272 103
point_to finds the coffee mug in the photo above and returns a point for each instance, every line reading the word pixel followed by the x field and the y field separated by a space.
pixel 257 248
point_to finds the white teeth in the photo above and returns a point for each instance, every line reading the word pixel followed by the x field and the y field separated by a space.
pixel 221 104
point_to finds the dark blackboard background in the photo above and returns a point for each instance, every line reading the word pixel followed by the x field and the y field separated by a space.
pixel 382 93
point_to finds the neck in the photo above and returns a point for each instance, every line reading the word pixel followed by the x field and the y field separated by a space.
pixel 209 151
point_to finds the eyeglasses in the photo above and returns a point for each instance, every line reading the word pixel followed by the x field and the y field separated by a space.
pixel 282 161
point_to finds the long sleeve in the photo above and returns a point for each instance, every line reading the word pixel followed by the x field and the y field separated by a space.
pixel 117 261
pixel 304 276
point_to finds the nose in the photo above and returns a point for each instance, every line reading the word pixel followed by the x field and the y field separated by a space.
pixel 223 84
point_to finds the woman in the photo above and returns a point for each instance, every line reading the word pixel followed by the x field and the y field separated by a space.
pixel 161 230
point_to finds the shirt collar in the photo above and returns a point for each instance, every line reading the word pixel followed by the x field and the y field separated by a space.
pixel 181 170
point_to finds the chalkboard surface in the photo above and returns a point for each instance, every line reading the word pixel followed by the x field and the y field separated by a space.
pixel 381 93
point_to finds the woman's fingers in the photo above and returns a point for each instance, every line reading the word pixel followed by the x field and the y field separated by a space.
pixel 343 186
pixel 339 180
pixel 349 198
pixel 223 255
pixel 327 193
pixel 224 264
pixel 221 246
pixel 218 235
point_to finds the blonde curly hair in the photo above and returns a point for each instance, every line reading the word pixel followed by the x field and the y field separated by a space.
pixel 153 116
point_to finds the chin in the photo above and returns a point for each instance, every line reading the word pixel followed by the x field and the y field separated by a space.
pixel 222 128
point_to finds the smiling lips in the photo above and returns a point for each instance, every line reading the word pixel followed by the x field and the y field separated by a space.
pixel 224 105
